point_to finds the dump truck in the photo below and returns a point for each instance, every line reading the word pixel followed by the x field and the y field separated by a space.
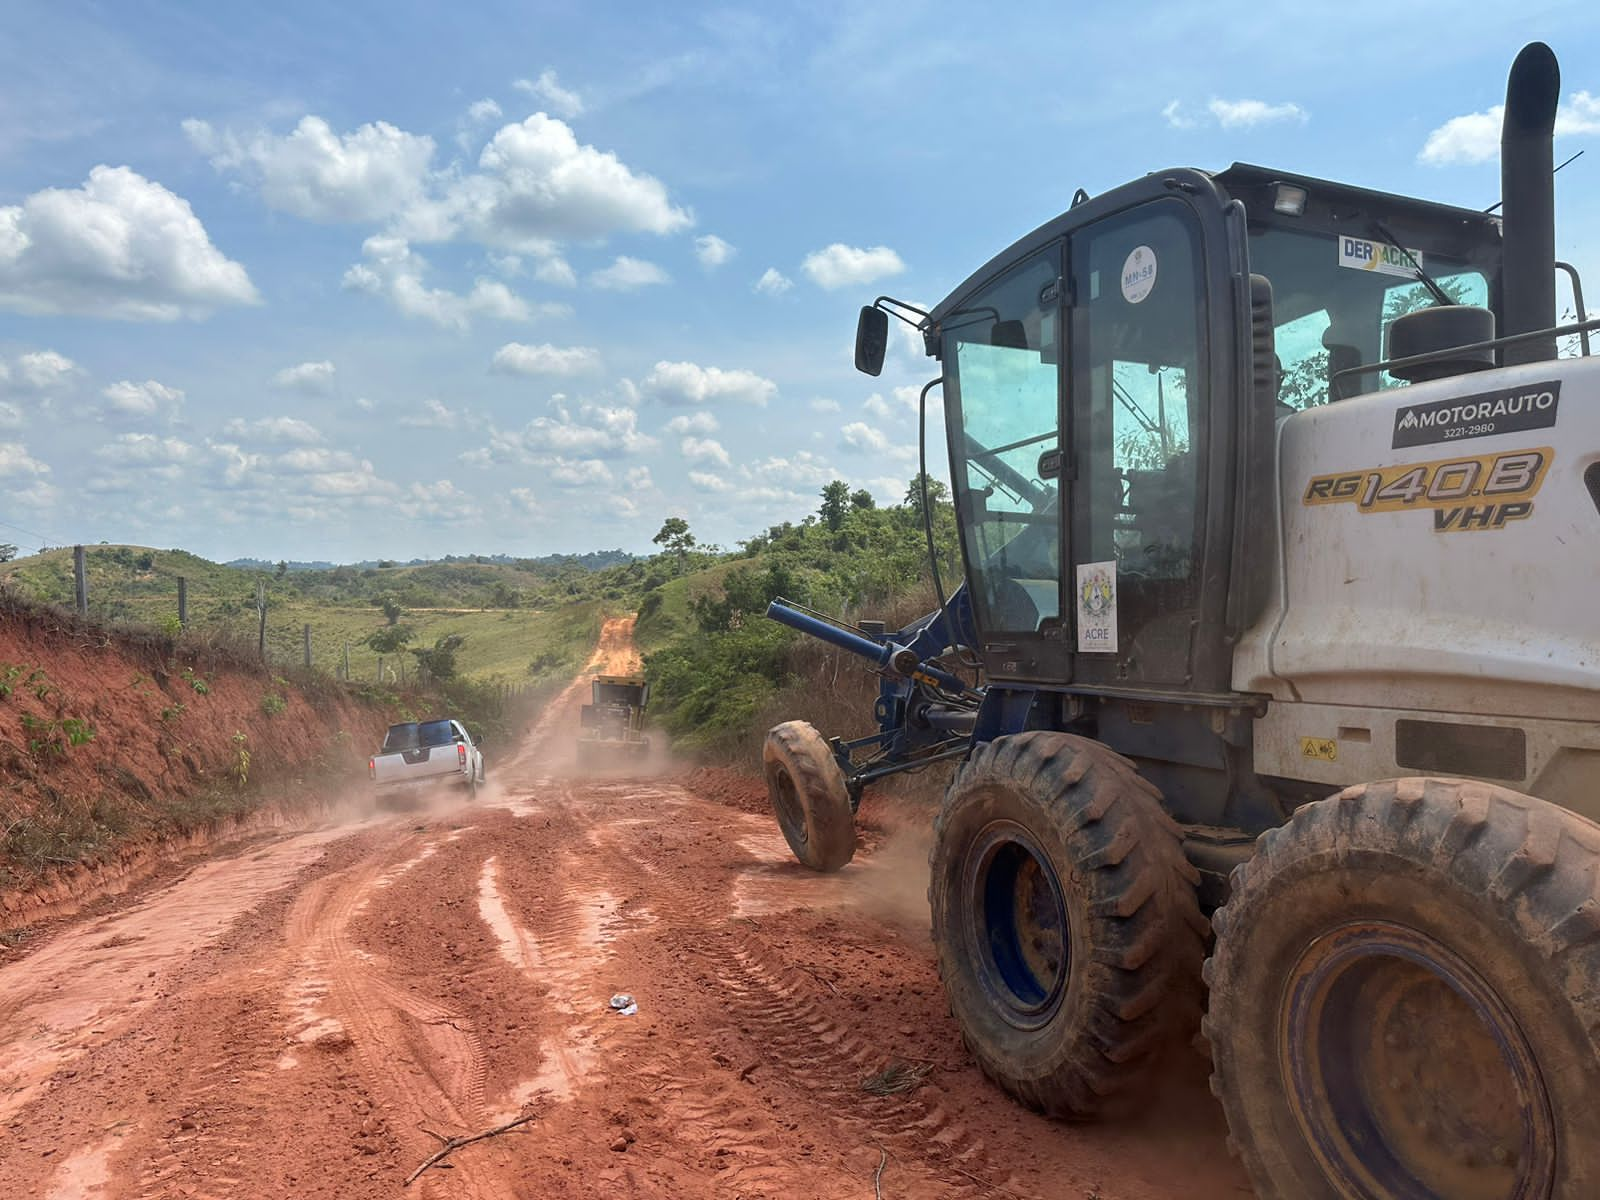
pixel 613 723
pixel 1272 687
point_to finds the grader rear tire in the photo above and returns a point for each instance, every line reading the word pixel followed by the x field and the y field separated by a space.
pixel 808 795
pixel 1405 998
pixel 1068 935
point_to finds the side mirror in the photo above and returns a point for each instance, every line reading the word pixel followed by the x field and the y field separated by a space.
pixel 872 340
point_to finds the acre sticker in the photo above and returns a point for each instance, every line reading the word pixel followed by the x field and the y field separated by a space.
pixel 1097 607
pixel 1486 491
pixel 1138 274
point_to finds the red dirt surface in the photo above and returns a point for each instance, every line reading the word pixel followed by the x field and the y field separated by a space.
pixel 165 729
pixel 311 1017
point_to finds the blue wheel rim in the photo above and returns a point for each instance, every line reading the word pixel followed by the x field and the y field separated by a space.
pixel 1018 927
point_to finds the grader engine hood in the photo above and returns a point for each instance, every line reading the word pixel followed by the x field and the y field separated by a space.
pixel 1438 547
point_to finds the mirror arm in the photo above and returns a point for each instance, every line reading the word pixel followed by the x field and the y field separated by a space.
pixel 883 302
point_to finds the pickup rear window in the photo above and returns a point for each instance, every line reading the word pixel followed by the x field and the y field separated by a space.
pixel 412 737
pixel 435 733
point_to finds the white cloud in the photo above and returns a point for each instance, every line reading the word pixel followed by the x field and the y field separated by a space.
pixel 483 110
pixel 438 501
pixel 911 397
pixel 562 101
pixel 802 469
pixel 129 399
pixel 700 422
pixel 712 251
pixel 877 406
pixel 394 271
pixel 595 431
pixel 688 383
pixel 515 358
pixel 858 435
pixel 573 473
pixel 365 404
pixel 1176 117
pixel 434 415
pixel 773 282
pixel 313 378
pixel 1475 137
pixel 1233 114
pixel 536 182
pixel 706 482
pixel 147 450
pixel 119 246
pixel 1245 114
pixel 42 370
pixel 838 265
pixel 639 479
pixel 523 502
pixel 270 430
pixel 555 269
pixel 315 173
pixel 17 463
pixel 628 275
pixel 591 432
pixel 823 404
pixel 704 450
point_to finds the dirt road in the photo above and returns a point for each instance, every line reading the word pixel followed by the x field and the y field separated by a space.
pixel 309 1015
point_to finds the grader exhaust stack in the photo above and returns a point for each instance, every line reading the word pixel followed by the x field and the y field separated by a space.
pixel 1527 190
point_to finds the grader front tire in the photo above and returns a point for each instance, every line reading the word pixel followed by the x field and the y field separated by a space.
pixel 808 796
pixel 1405 998
pixel 1068 935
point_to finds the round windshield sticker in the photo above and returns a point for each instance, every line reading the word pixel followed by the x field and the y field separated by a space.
pixel 1138 274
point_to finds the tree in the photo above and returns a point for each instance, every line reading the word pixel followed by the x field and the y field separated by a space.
pixel 862 499
pixel 675 538
pixel 439 660
pixel 7 551
pixel 283 569
pixel 391 639
pixel 937 492
pixel 390 603
pixel 835 503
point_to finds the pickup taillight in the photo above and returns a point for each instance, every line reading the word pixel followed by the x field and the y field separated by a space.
pixel 461 754
pixel 372 768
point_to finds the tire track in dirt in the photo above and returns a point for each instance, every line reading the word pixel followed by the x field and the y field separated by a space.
pixel 786 1015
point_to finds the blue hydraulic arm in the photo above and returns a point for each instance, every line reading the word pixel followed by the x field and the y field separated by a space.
pixel 924 712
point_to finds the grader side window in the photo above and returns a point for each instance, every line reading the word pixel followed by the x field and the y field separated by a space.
pixel 1002 363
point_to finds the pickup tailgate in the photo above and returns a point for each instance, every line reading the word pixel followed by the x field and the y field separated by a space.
pixel 414 766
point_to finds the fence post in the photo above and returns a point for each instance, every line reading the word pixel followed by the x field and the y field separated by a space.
pixel 380 670
pixel 80 579
pixel 307 634
pixel 261 615
pixel 346 675
pixel 183 603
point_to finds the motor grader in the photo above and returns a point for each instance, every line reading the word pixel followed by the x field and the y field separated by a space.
pixel 611 726
pixel 1279 505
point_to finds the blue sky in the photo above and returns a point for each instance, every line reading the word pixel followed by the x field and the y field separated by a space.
pixel 406 279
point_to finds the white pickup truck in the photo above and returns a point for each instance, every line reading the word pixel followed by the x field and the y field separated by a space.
pixel 422 754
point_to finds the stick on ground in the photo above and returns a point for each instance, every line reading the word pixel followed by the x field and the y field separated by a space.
pixel 451 1145
pixel 877 1180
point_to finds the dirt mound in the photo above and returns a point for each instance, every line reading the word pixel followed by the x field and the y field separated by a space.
pixel 110 742
pixel 724 785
